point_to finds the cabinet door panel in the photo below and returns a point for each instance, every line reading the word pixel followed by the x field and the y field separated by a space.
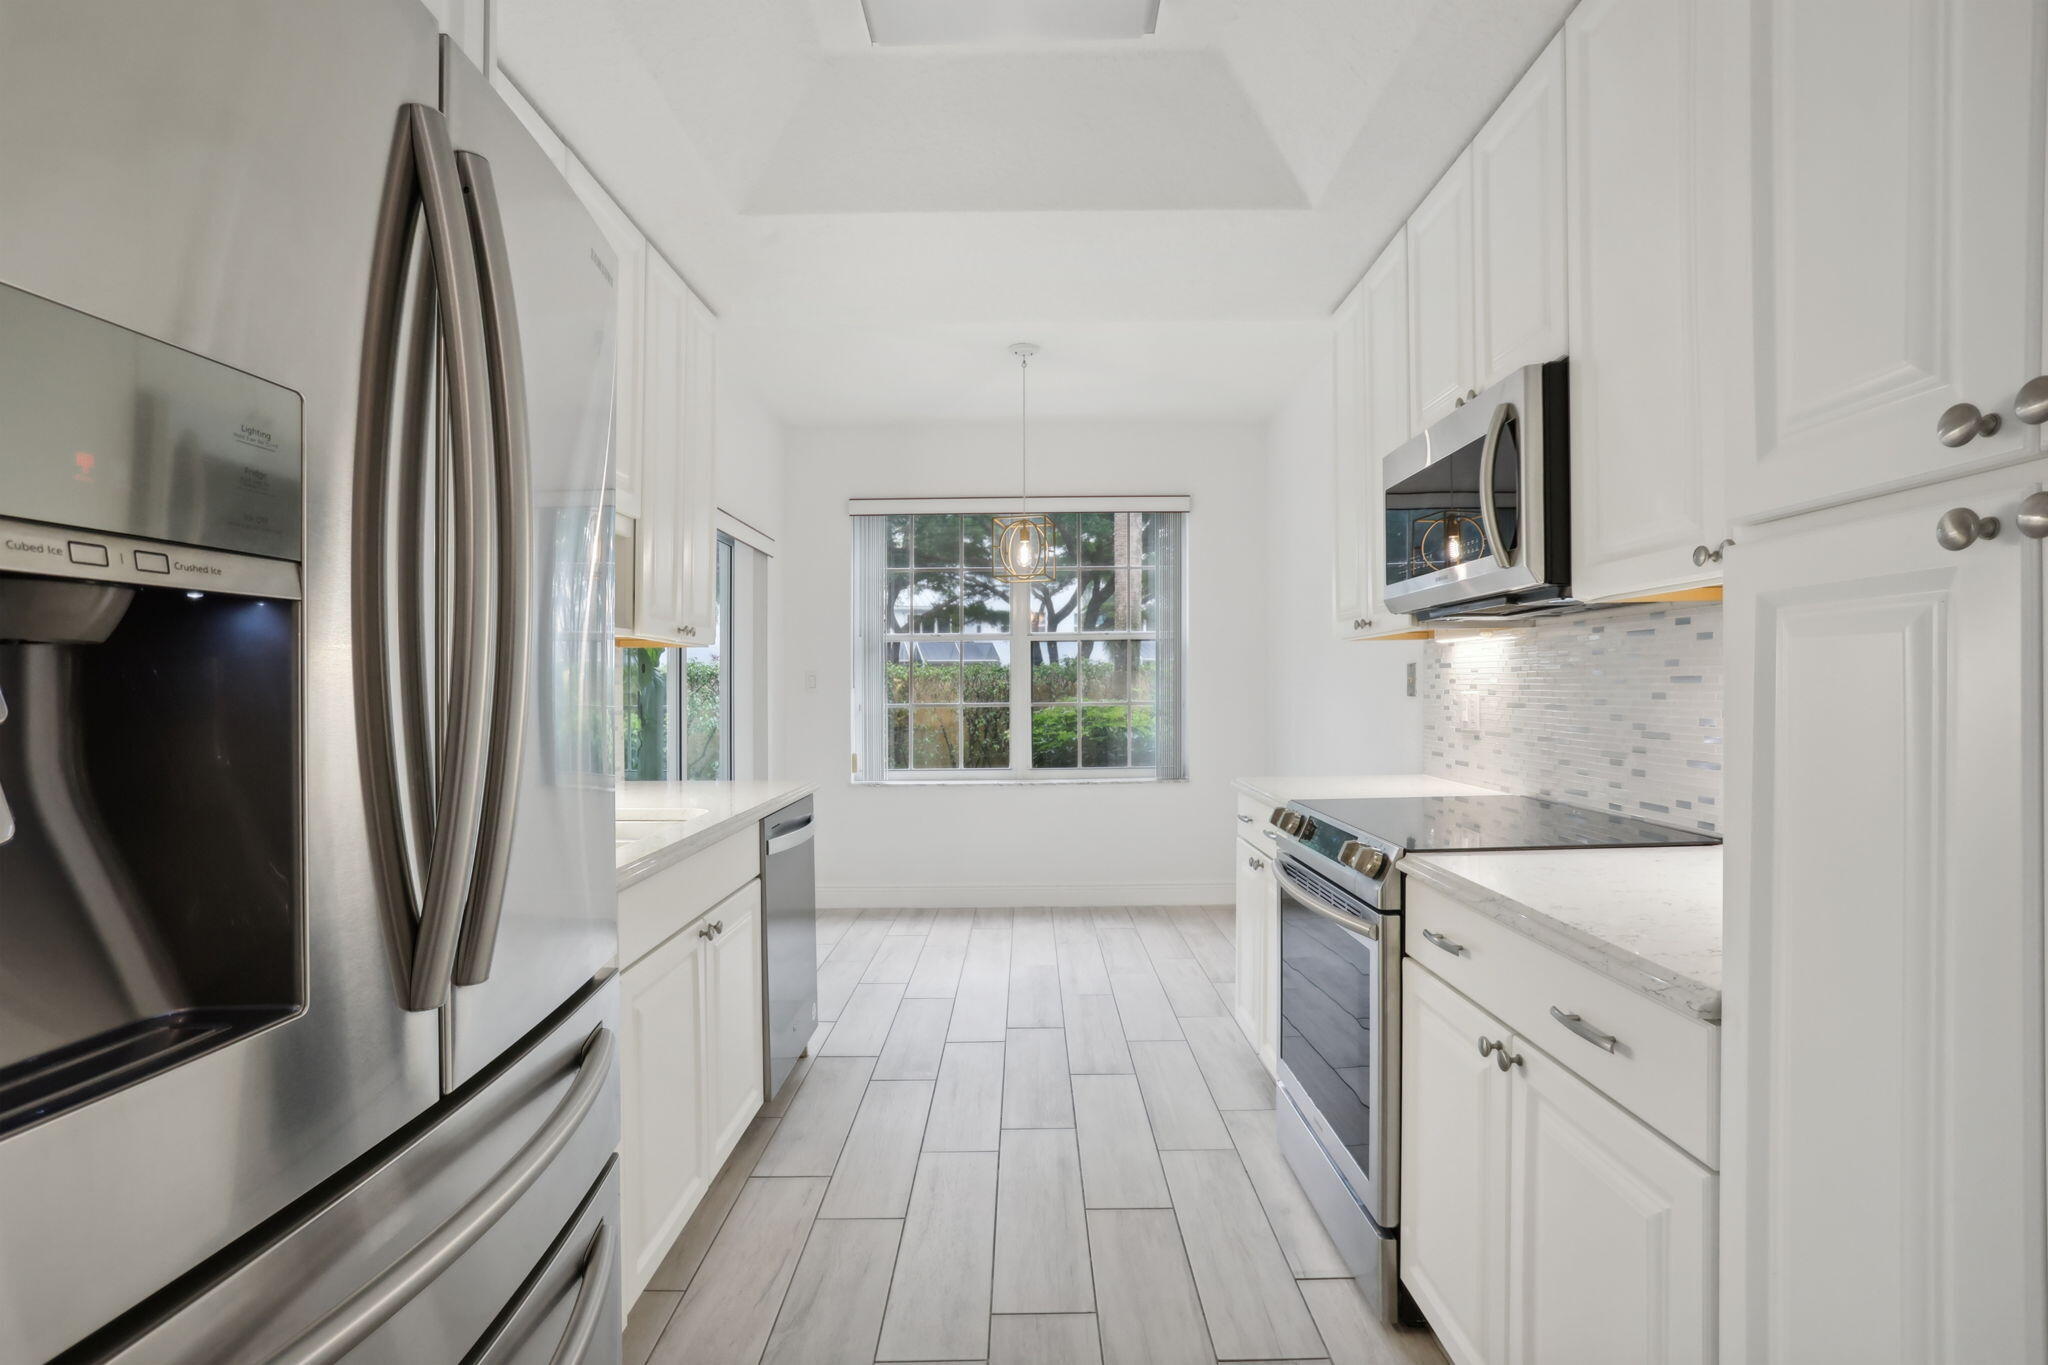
pixel 1255 912
pixel 732 1050
pixel 1518 190
pixel 696 492
pixel 1454 1168
pixel 630 288
pixel 664 1162
pixel 660 528
pixel 1440 347
pixel 1646 469
pixel 1897 242
pixel 1373 417
pixel 1610 1231
pixel 1884 998
pixel 1351 552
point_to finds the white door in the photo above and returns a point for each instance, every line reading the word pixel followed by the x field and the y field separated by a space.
pixel 1883 1151
pixel 1518 193
pixel 1895 191
pixel 1454 1166
pixel 664 1160
pixel 1646 454
pixel 1257 916
pixel 661 522
pixel 629 294
pixel 1441 368
pixel 1610 1231
pixel 733 1075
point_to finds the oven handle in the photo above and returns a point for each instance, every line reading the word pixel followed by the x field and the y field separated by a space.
pixel 1489 516
pixel 1365 929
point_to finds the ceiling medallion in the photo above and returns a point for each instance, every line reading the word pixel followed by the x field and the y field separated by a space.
pixel 1024 543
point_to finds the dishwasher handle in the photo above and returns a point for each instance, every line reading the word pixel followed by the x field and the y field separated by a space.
pixel 799 834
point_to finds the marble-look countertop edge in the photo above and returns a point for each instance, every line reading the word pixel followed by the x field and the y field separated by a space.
pixel 688 836
pixel 1695 1000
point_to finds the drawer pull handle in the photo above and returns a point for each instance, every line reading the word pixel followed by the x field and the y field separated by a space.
pixel 1243 819
pixel 1603 1041
pixel 1449 945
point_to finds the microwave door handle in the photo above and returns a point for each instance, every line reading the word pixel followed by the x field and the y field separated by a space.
pixel 1489 515
pixel 513 524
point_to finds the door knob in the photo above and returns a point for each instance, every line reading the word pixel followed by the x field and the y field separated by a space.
pixel 2031 406
pixel 1963 424
pixel 2033 517
pixel 1960 528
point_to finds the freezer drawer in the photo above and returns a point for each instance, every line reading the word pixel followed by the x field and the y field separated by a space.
pixel 569 1312
pixel 490 1184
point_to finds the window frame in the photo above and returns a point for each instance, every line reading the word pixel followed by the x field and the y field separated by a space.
pixel 873 638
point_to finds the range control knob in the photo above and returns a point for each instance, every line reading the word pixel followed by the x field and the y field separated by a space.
pixel 1306 830
pixel 1278 819
pixel 1362 858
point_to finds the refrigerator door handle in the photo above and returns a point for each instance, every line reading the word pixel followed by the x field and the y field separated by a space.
pixel 513 523
pixel 346 1326
pixel 589 1308
pixel 423 182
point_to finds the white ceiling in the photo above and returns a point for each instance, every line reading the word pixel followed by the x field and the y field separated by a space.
pixel 1175 215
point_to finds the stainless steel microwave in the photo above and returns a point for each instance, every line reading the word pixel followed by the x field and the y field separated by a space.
pixel 1478 508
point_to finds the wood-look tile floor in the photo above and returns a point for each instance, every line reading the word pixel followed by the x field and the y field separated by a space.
pixel 1030 1136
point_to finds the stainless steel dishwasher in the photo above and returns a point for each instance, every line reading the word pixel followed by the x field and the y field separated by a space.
pixel 789 939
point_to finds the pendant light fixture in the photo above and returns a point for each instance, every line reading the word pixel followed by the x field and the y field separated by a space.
pixel 1024 542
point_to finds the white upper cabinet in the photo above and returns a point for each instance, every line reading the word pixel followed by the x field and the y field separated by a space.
pixel 1647 433
pixel 1373 417
pixel 1350 556
pixel 1895 193
pixel 1518 217
pixel 696 507
pixel 1442 365
pixel 660 532
pixel 629 295
pixel 1883 1140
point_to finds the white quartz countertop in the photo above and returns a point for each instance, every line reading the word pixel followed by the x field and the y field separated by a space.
pixel 1278 791
pixel 1649 918
pixel 661 822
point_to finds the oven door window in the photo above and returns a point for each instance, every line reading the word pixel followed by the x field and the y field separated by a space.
pixel 1435 520
pixel 1329 988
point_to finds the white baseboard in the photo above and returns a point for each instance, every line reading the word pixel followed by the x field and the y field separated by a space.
pixel 997 895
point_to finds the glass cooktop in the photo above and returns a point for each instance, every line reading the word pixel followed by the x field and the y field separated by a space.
pixel 1472 824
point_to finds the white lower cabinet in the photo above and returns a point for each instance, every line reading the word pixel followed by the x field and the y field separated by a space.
pixel 1258 952
pixel 1541 1223
pixel 691 1076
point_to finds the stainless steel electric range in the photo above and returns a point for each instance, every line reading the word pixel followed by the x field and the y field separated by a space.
pixel 1339 1110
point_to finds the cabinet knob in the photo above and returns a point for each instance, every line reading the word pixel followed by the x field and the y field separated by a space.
pixel 1960 528
pixel 1963 424
pixel 707 932
pixel 2033 517
pixel 2031 406
pixel 1703 555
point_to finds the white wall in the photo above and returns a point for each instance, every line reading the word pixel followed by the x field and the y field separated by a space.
pixel 1334 706
pixel 1023 844
pixel 751 458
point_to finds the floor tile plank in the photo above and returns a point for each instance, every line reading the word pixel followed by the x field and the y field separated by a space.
pixel 1211 947
pixel 1161 936
pixel 1146 1307
pixel 1119 1165
pixel 808 1139
pixel 1044 1339
pixel 1248 1294
pixel 939 1296
pixel 1036 1089
pixel 1082 970
pixel 967 1105
pixel 1355 1336
pixel 1095 1037
pixel 1177 1099
pixel 1310 1252
pixel 1032 939
pixel 1041 1261
pixel 981 1010
pixel 836 981
pixel 832 1314
pixel 730 1307
pixel 895 959
pixel 880 1156
pixel 1189 989
pixel 1147 1014
pixel 863 1025
pixel 1034 996
pixel 916 1041
pixel 680 1265
pixel 1236 1076
pixel 937 973
pixel 1122 949
pixel 645 1323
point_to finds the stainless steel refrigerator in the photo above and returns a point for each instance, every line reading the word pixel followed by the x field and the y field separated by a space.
pixel 307 927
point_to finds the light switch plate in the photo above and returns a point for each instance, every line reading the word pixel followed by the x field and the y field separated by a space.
pixel 1411 679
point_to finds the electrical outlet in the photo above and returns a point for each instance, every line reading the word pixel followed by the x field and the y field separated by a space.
pixel 1411 680
pixel 811 680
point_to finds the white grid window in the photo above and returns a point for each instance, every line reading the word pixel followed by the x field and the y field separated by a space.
pixel 964 677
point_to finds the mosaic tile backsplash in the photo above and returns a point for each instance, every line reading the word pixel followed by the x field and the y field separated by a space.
pixel 1617 710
